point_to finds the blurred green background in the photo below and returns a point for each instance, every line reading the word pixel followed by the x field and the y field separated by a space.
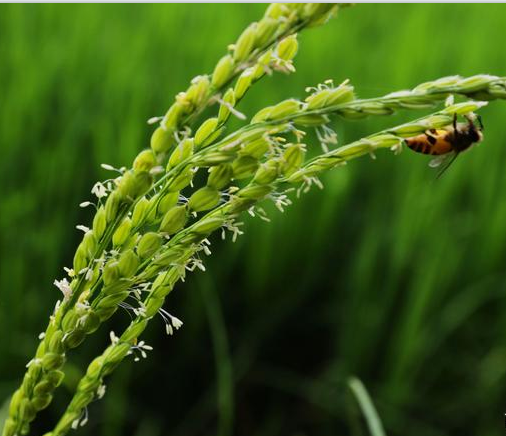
pixel 387 274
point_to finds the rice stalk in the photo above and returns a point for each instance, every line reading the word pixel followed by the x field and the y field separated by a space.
pixel 170 262
pixel 146 233
pixel 263 47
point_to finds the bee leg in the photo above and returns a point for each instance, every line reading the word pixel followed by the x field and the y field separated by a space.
pixel 445 167
pixel 480 122
pixel 455 121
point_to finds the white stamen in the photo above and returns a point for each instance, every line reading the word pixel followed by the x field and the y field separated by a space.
pixel 113 337
pixel 64 286
pixel 232 110
pixel 101 392
pixel 176 322
pixel 154 120
pixel 450 100
pixel 99 189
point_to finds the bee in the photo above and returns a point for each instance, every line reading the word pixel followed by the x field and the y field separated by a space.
pixel 447 143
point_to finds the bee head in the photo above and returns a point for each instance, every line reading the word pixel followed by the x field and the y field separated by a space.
pixel 477 135
pixel 475 131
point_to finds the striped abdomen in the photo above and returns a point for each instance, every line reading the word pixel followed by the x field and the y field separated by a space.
pixel 435 142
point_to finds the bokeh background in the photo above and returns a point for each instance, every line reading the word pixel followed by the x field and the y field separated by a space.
pixel 386 274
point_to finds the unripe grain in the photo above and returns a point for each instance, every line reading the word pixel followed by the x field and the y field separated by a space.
pixel 244 167
pixel 153 306
pixel 111 273
pixel 267 172
pixel 265 30
pixel 112 205
pixel 256 148
pixel 148 244
pixel 220 176
pixel 255 192
pixel 55 342
pixel 116 353
pixel 204 199
pixel 99 222
pixel 90 322
pixel 162 140
pixel 134 330
pixel 144 161
pixel 128 263
pixel 174 220
pixel 198 91
pixel 208 225
pixel 206 131
pixel 182 180
pixel 40 402
pixel 287 48
pixel 52 361
pixel 74 338
pixel 122 232
pixel 223 71
pixel 228 100
pixel 55 377
pixel 293 157
pixel 69 323
pixel 140 212
pixel 312 120
pixel 182 152
pixel 167 202
pixel 243 83
pixel 245 43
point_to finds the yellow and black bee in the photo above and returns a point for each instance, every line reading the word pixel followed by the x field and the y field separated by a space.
pixel 447 143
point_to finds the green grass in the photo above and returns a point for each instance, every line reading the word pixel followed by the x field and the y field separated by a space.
pixel 386 274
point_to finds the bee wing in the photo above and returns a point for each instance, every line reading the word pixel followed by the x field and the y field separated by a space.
pixel 437 161
pixel 447 162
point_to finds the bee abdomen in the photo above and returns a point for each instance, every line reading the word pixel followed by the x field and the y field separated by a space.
pixel 420 146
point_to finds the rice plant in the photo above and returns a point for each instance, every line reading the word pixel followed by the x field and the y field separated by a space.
pixel 153 219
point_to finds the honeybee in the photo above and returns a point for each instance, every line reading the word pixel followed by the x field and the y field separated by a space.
pixel 447 143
